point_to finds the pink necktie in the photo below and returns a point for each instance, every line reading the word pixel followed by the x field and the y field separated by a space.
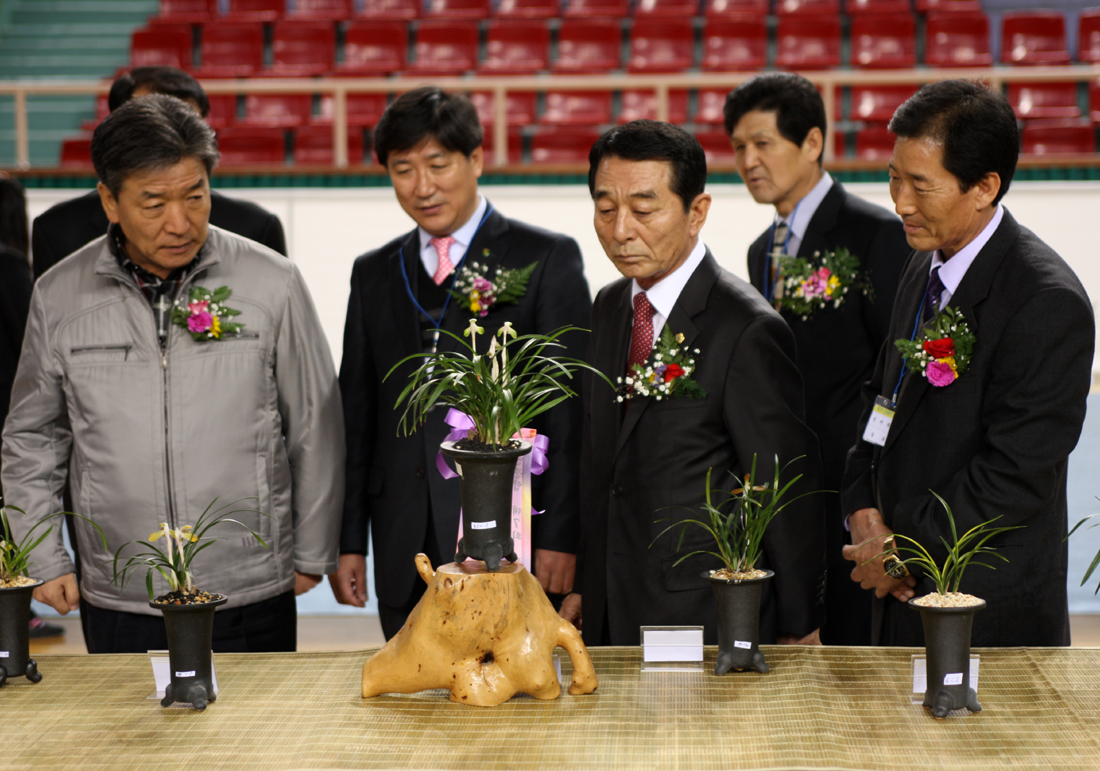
pixel 445 268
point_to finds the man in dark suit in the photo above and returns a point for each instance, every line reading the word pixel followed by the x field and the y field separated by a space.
pixel 430 142
pixel 67 226
pixel 991 437
pixel 776 124
pixel 645 459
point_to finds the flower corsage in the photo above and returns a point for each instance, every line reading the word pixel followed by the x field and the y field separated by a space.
pixel 478 294
pixel 816 282
pixel 204 314
pixel 943 353
pixel 667 372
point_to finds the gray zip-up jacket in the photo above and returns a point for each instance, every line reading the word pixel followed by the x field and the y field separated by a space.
pixel 146 437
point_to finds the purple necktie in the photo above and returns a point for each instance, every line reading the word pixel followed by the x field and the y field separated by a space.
pixel 932 295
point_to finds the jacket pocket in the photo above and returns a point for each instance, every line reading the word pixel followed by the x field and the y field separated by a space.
pixel 89 354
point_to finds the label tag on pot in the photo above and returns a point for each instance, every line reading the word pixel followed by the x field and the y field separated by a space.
pixel 484 525
pixel 3 654
pixel 162 673
pixel 672 644
pixel 742 644
pixel 920 676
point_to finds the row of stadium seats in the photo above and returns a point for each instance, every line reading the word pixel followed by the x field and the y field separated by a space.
pixel 312 145
pixel 201 11
pixel 655 45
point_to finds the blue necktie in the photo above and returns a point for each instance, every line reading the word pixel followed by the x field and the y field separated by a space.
pixel 932 295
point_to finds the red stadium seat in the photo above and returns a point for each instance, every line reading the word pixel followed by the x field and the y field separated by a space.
pixel 949 6
pixel 255 10
pixel 223 110
pixel 165 45
pixel 735 44
pixel 1044 100
pixel 185 12
pixel 529 9
pixel 883 42
pixel 302 49
pixel 807 7
pixel 586 46
pixel 517 47
pixel 1088 36
pixel 76 152
pixel 874 143
pixel 716 145
pixel 675 9
pixel 577 108
pixel 374 48
pixel 457 9
pixel 1034 37
pixel 858 7
pixel 322 10
pixel 363 109
pixel 643 104
pixel 102 110
pixel 710 104
pixel 313 146
pixel 231 50
pixel 1067 135
pixel 591 9
pixel 251 146
pixel 716 9
pixel 808 42
pixel 515 145
pixel 1094 101
pixel 388 10
pixel 661 45
pixel 446 48
pixel 521 107
pixel 957 40
pixel 877 103
pixel 277 110
pixel 563 145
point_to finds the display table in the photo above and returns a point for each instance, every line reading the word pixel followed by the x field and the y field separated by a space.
pixel 819 708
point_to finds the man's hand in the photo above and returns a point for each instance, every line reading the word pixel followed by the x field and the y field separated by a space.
pixel 554 570
pixel 61 593
pixel 813 638
pixel 571 610
pixel 868 534
pixel 349 582
pixel 303 582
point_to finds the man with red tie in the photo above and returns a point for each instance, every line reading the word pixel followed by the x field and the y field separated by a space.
pixel 401 303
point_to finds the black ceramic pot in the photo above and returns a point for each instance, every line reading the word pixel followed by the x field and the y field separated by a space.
pixel 486 488
pixel 947 648
pixel 190 635
pixel 738 623
pixel 15 620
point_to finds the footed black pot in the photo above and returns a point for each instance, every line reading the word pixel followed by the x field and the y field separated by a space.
pixel 486 489
pixel 738 623
pixel 15 619
pixel 947 648
pixel 190 635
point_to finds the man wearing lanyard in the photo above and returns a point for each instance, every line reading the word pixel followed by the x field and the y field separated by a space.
pixel 401 303
pixel 776 124
pixel 989 431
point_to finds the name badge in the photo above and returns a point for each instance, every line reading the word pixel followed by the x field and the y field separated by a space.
pixel 878 425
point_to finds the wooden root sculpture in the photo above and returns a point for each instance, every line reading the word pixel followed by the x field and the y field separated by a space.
pixel 484 636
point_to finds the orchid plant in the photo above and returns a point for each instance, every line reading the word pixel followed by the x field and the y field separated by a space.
pixel 501 389
pixel 181 545
pixel 15 556
pixel 1095 560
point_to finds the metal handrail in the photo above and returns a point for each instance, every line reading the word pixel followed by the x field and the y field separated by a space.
pixel 339 88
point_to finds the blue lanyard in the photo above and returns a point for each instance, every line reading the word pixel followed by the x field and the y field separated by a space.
pixel 769 280
pixel 912 337
pixel 438 323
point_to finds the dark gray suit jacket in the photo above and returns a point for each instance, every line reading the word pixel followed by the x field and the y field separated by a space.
pixel 993 443
pixel 640 465
pixel 391 478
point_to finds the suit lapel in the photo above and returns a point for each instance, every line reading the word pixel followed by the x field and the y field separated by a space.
pixel 406 316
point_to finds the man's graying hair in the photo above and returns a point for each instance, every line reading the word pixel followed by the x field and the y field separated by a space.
pixel 150 133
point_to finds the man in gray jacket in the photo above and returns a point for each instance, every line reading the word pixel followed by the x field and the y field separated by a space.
pixel 150 422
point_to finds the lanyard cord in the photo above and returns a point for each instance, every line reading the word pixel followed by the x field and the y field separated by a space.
pixel 769 279
pixel 912 337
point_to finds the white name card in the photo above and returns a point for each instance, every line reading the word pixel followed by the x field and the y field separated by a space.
pixel 162 674
pixel 679 644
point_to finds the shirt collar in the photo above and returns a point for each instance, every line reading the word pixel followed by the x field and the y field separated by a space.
pixel 664 294
pixel 953 270
pixel 465 234
pixel 116 243
pixel 807 207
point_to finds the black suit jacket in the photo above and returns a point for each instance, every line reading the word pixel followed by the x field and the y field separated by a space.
pixel 639 466
pixel 993 443
pixel 65 227
pixel 391 478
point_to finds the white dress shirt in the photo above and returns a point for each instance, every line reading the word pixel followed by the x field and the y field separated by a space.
pixel 429 257
pixel 804 212
pixel 664 294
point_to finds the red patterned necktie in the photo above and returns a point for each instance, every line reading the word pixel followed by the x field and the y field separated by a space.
pixel 641 337
pixel 443 248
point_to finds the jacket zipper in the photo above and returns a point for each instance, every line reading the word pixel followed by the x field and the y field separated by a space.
pixel 87 348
